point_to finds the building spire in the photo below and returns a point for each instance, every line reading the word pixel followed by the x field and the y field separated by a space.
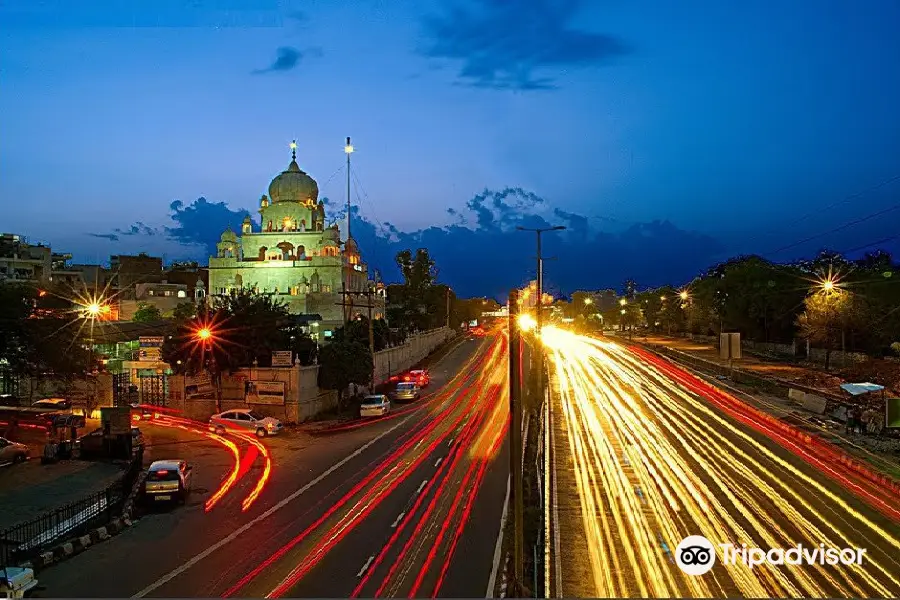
pixel 294 150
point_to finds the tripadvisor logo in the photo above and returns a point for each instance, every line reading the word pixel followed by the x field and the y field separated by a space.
pixel 696 555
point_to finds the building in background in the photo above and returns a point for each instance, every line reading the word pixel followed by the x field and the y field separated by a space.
pixel 24 262
pixel 127 271
pixel 295 256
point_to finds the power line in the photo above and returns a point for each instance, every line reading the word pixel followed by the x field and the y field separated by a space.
pixel 845 199
pixel 836 229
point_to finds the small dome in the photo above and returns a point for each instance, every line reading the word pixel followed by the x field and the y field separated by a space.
pixel 350 246
pixel 293 185
pixel 247 219
pixel 264 201
pixel 228 236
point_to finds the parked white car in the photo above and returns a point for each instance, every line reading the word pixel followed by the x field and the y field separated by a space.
pixel 376 405
pixel 244 420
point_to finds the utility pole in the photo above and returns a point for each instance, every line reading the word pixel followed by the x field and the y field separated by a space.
pixel 539 308
pixel 516 490
pixel 448 307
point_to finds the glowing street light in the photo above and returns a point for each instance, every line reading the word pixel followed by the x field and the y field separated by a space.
pixel 623 302
pixel 94 309
pixel 204 334
pixel 588 301
pixel 683 295
pixel 662 298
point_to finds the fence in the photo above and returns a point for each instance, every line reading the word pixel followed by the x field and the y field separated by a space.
pixel 27 540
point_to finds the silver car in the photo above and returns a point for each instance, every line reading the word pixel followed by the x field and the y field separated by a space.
pixel 407 391
pixel 168 481
pixel 376 405
pixel 12 452
pixel 244 420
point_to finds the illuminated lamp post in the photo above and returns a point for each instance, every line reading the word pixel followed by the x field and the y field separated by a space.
pixel 540 302
pixel 205 337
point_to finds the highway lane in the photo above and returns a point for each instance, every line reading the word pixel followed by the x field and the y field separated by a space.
pixel 191 552
pixel 645 454
pixel 409 526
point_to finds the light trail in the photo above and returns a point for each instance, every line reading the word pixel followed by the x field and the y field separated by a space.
pixel 382 478
pixel 658 455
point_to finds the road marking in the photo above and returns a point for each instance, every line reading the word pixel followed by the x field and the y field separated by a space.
pixel 450 442
pixel 438 462
pixel 397 520
pixel 421 487
pixel 498 547
pixel 250 524
pixel 366 566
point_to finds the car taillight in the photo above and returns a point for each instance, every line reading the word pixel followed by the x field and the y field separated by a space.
pixel 162 473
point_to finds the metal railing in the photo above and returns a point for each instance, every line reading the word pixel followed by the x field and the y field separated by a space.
pixel 27 540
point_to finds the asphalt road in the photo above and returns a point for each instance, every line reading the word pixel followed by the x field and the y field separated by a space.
pixel 332 501
pixel 644 454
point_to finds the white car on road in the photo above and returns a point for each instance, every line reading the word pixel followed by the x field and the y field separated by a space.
pixel 244 420
pixel 376 405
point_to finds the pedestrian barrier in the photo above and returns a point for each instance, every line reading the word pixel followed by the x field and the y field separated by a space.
pixel 28 540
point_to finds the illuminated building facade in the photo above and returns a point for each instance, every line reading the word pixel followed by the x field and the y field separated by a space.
pixel 294 255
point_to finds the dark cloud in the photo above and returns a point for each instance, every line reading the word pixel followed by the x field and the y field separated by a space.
pixel 286 59
pixel 202 222
pixel 106 236
pixel 516 45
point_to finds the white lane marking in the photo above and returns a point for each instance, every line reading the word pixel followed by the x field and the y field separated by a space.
pixel 163 580
pixel 450 442
pixel 421 487
pixel 366 566
pixel 398 519
pixel 438 462
pixel 498 547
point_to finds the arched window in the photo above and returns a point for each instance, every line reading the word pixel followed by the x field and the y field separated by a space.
pixel 262 253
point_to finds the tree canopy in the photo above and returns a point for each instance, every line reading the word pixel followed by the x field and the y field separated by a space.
pixel 342 363
pixel 146 313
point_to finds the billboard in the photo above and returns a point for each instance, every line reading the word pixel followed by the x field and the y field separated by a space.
pixel 265 392
pixel 199 387
pixel 892 413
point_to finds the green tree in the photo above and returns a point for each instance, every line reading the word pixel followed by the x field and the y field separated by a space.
pixel 146 313
pixel 184 311
pixel 825 318
pixel 245 329
pixel 342 363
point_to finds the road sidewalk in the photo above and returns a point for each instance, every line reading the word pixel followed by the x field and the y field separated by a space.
pixel 31 489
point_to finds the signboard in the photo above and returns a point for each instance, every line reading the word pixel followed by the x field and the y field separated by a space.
pixel 282 358
pixel 265 392
pixel 730 346
pixel 150 348
pixel 149 355
pixel 199 387
pixel 892 412
pixel 118 418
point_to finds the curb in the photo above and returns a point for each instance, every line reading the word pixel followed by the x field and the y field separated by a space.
pixel 81 543
pixel 77 545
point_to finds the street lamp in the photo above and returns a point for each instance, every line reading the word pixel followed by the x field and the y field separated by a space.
pixel 540 297
pixel 623 302
pixel 683 295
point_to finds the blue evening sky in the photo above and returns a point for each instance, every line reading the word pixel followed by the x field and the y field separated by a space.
pixel 666 134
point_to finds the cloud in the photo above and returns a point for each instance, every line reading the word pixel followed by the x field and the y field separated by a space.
pixel 509 45
pixel 286 59
pixel 202 222
pixel 106 236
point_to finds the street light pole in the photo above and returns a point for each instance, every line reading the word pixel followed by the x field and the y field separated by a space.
pixel 539 316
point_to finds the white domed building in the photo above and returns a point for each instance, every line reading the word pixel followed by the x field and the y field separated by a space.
pixel 295 256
